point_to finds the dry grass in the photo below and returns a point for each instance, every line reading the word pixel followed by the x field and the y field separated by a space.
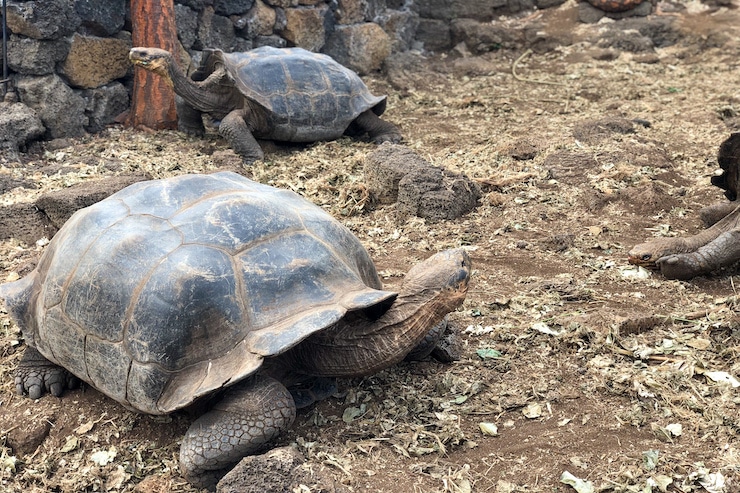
pixel 582 364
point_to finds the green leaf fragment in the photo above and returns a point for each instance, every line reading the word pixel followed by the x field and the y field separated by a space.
pixel 488 353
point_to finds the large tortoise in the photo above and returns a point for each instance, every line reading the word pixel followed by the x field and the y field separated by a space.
pixel 711 249
pixel 282 94
pixel 177 289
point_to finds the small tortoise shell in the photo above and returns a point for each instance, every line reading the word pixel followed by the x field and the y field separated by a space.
pixel 615 5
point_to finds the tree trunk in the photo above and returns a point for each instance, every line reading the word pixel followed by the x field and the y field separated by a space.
pixel 153 100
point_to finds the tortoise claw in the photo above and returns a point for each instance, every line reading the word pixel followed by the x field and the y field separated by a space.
pixel 36 376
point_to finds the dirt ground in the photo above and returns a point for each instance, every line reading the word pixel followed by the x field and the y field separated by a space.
pixel 575 364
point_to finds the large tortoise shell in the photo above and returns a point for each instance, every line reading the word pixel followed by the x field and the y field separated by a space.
pixel 309 96
pixel 171 289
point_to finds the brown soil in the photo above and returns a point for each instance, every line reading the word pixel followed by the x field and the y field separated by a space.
pixel 583 363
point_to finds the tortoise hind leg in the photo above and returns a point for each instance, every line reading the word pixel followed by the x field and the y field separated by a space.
pixel 37 375
pixel 247 417
pixel 378 129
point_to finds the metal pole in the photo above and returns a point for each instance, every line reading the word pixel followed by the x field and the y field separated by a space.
pixel 5 48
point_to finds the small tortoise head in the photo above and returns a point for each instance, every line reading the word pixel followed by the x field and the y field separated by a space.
pixel 153 59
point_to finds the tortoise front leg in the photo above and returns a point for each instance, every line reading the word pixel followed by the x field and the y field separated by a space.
pixel 249 415
pixel 721 252
pixel 234 129
pixel 429 343
pixel 189 120
pixel 439 343
pixel 379 130
pixel 37 375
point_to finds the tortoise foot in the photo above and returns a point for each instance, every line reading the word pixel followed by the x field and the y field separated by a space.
pixel 392 137
pixel 249 159
pixel 314 390
pixel 36 376
pixel 441 343
pixel 249 415
pixel 681 267
pixel 449 348
pixel 191 131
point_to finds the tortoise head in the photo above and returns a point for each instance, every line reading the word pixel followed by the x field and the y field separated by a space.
pixel 443 277
pixel 153 59
pixel 643 256
pixel 647 254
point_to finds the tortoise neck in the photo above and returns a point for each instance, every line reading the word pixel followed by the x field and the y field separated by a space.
pixel 359 346
pixel 195 94
pixel 661 247
pixel 366 341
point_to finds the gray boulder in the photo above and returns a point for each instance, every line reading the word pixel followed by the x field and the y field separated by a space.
pixel 395 173
pixel 361 47
pixel 231 7
pixel 101 18
pixel 59 205
pixel 215 30
pixel 19 124
pixel 401 26
pixel 196 4
pixel 31 56
pixel 104 104
pixel 43 19
pixel 60 108
pixel 93 61
pixel 281 470
pixel 187 25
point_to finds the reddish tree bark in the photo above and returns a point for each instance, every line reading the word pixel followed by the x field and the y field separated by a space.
pixel 153 100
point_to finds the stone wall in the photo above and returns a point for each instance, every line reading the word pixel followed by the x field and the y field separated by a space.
pixel 445 23
pixel 69 65
pixel 68 59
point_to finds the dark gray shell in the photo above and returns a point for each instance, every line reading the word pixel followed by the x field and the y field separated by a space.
pixel 171 289
pixel 309 96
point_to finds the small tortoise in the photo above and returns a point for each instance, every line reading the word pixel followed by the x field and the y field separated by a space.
pixel 214 286
pixel 287 94
pixel 715 247
pixel 615 6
